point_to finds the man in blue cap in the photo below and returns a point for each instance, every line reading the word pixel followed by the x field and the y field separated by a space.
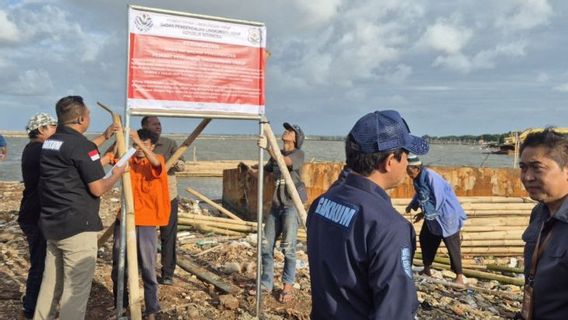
pixel 360 248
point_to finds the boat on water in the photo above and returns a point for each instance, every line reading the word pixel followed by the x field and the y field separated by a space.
pixel 513 140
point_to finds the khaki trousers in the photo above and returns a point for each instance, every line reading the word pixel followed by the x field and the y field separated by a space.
pixel 69 269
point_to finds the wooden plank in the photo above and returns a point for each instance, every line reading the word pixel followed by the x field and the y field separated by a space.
pixel 207 276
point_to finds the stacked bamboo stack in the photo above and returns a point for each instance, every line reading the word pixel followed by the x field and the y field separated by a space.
pixel 224 226
pixel 494 227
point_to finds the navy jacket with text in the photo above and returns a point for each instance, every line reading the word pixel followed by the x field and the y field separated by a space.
pixel 360 251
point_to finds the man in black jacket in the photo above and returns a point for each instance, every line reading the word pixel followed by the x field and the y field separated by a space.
pixel 70 186
pixel 544 173
pixel 360 248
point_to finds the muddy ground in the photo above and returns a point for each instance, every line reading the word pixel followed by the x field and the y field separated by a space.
pixel 234 260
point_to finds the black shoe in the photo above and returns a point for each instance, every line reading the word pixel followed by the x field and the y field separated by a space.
pixel 167 281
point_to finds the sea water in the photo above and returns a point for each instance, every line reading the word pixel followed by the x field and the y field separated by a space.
pixel 245 148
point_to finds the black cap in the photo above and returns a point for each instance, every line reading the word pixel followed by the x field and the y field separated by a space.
pixel 299 134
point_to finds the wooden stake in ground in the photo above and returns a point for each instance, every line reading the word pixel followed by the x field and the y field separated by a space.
pixel 131 249
pixel 273 144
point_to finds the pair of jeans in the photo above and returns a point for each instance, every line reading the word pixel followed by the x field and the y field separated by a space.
pixel 281 221
pixel 147 252
pixel 168 236
pixel 37 247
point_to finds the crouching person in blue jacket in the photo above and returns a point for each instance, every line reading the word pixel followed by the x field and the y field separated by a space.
pixel 443 216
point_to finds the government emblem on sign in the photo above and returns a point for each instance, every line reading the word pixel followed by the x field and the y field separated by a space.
pixel 143 22
pixel 254 35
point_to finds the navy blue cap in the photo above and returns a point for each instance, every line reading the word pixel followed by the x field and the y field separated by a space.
pixel 381 131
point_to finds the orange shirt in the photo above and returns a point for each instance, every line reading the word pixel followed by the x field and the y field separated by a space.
pixel 150 191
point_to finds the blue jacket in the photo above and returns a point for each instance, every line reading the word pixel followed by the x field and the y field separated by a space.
pixel 437 199
pixel 360 251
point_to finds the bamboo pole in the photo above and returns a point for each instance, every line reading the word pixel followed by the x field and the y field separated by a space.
pixel 491 252
pixel 496 267
pixel 273 144
pixel 475 199
pixel 221 222
pixel 179 152
pixel 229 230
pixel 218 219
pixel 213 204
pixel 446 261
pixel 131 249
pixel 478 274
pixel 105 236
pixel 206 228
pixel 207 276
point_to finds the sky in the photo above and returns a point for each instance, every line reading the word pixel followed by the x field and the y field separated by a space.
pixel 450 67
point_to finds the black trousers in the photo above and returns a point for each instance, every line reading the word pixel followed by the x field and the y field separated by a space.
pixel 429 244
pixel 168 237
pixel 37 246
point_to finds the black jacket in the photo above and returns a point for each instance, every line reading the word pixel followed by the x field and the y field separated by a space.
pixel 551 278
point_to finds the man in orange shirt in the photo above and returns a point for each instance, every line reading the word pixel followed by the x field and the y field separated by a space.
pixel 151 209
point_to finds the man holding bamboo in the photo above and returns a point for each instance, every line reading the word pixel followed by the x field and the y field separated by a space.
pixel 282 219
pixel 70 186
pixel 442 213
pixel 168 234
pixel 544 174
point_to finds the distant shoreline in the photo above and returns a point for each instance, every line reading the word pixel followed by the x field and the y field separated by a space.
pixel 23 134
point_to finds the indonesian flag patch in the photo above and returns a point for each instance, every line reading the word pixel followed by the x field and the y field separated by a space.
pixel 94 155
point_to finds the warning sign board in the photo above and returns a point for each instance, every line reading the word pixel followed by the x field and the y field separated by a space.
pixel 185 63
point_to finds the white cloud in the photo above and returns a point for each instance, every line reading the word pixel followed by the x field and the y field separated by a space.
pixel 445 37
pixel 457 62
pixel 398 74
pixel 485 59
pixel 8 30
pixel 517 15
pixel 29 83
pixel 562 88
pixel 432 88
pixel 316 12
pixel 542 77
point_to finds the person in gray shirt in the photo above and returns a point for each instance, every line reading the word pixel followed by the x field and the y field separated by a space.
pixel 283 219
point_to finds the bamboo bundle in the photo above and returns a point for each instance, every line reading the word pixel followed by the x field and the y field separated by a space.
pixel 210 224
pixel 484 251
pixel 497 235
pixel 478 274
pixel 444 260
pixel 475 199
